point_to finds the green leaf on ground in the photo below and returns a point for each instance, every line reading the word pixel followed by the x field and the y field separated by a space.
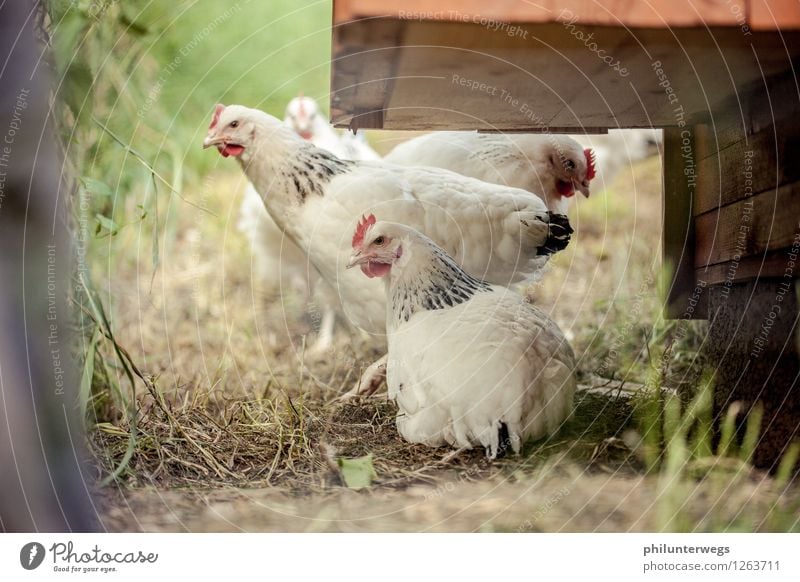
pixel 357 473
pixel 97 187
pixel 108 224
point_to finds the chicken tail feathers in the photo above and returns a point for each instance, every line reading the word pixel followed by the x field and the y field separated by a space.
pixel 558 234
pixel 503 441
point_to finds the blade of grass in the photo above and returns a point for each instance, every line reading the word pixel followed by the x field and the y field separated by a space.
pixel 99 316
pixel 85 389
pixel 147 165
pixel 728 429
pixel 787 465
pixel 751 433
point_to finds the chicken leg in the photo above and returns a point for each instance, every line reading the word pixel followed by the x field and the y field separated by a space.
pixel 370 380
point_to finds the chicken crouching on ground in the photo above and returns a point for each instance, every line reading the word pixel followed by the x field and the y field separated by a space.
pixel 499 234
pixel 469 363
pixel 550 165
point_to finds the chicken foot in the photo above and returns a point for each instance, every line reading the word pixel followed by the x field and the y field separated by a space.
pixel 370 380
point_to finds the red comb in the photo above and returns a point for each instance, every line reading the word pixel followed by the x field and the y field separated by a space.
pixel 589 163
pixel 217 112
pixel 362 228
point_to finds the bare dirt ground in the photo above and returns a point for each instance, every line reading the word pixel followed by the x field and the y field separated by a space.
pixel 240 430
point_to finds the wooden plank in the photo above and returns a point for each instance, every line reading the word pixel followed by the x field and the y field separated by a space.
pixel 773 14
pixel 771 264
pixel 603 12
pixel 363 72
pixel 678 231
pixel 551 77
pixel 753 164
pixel 751 347
pixel 775 99
pixel 764 222
pixel 724 129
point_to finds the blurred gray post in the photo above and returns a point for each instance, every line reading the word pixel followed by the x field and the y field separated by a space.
pixel 41 440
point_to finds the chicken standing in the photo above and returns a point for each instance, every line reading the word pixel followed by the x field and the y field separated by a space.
pixel 277 259
pixel 497 233
pixel 550 165
pixel 470 364
pixel 620 148
pixel 304 117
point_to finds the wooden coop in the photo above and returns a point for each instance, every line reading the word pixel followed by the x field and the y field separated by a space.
pixel 719 76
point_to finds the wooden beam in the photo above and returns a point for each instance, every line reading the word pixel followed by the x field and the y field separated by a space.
pixel 678 231
pixel 765 222
pixel 544 75
pixel 363 72
pixel 770 264
pixel 604 12
pixel 773 14
pixel 753 353
pixel 751 165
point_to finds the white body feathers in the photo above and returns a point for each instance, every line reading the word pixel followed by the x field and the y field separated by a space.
pixel 470 364
pixel 519 160
pixel 497 233
pixel 276 257
pixel 457 374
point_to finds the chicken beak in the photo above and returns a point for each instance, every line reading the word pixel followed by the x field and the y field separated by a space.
pixel 357 259
pixel 211 140
pixel 584 188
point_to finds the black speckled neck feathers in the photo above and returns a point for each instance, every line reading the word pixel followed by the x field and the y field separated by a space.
pixel 440 284
pixel 309 170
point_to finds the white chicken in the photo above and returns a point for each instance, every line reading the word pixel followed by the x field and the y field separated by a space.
pixel 279 260
pixel 553 166
pixel 305 118
pixel 356 147
pixel 620 148
pixel 497 233
pixel 470 364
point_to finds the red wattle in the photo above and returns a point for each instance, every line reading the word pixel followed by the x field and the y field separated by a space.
pixel 231 150
pixel 565 188
pixel 375 269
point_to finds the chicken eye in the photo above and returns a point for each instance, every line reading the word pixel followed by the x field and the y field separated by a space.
pixel 379 241
pixel 234 123
pixel 569 164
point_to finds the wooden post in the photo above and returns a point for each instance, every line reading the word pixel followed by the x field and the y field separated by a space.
pixel 685 298
pixel 753 347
